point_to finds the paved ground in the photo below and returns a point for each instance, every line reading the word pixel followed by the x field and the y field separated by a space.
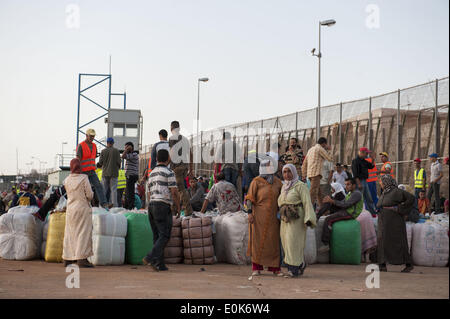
pixel 38 279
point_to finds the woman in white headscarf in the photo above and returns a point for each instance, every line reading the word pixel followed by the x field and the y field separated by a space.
pixel 297 213
pixel 338 194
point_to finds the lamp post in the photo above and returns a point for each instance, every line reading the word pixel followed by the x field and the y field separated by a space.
pixel 62 153
pixel 327 23
pixel 198 113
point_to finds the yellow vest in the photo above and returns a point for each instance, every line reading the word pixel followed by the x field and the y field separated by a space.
pixel 418 178
pixel 99 172
pixel 122 180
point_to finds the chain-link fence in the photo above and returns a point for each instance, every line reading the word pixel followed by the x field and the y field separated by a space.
pixel 407 124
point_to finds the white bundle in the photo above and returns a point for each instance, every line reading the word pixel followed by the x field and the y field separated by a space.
pixel 429 245
pixel 231 238
pixel 310 252
pixel 108 224
pixel 441 219
pixel 409 230
pixel 322 258
pixel 20 234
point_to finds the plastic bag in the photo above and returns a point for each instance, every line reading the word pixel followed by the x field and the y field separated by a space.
pixel 62 204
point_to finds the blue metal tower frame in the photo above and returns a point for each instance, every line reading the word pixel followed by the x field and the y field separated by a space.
pixel 104 77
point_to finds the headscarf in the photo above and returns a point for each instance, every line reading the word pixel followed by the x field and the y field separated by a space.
pixel 389 183
pixel 266 170
pixel 287 185
pixel 338 188
pixel 75 166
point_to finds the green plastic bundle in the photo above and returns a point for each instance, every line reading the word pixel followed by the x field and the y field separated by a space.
pixel 345 245
pixel 139 240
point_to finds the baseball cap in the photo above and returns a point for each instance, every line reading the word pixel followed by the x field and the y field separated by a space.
pixel 417 160
pixel 384 153
pixel 433 155
pixel 91 131
pixel 364 149
pixel 110 140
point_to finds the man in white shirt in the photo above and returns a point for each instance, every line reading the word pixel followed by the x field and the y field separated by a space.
pixel 339 176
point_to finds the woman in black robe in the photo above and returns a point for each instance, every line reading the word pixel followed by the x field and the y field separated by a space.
pixel 395 204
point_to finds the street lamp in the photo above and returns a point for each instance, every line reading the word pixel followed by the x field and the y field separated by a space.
pixel 327 23
pixel 198 111
pixel 62 152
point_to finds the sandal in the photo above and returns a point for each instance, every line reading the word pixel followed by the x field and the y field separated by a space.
pixel 408 268
pixel 289 274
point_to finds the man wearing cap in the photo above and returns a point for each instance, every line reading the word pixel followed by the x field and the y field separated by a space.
pixel 420 178
pixel 435 181
pixel 110 164
pixel 87 153
pixel 360 169
pixel 387 167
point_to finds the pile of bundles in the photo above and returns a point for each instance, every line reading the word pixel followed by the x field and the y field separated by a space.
pixel 197 240
pixel 108 238
pixel 20 234
pixel 173 253
pixel 231 238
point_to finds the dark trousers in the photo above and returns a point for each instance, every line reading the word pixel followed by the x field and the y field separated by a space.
pixel 160 215
pixel 119 196
pixel 231 175
pixel 434 189
pixel 51 202
pixel 129 199
pixel 329 221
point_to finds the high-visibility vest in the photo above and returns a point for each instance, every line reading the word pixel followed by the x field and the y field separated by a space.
pixel 88 160
pixel 356 209
pixel 383 168
pixel 418 178
pixel 122 180
pixel 99 172
pixel 372 172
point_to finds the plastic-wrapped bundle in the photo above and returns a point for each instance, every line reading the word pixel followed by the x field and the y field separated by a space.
pixel 108 250
pixel 324 257
pixel 108 239
pixel 55 237
pixel 139 240
pixel 310 252
pixel 409 230
pixel 197 240
pixel 345 246
pixel 173 253
pixel 20 234
pixel 99 210
pixel 430 245
pixel 44 238
pixel 231 238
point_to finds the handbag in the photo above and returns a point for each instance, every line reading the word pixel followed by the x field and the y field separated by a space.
pixel 289 212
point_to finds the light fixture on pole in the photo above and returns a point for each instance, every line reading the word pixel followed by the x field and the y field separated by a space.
pixel 327 23
pixel 198 112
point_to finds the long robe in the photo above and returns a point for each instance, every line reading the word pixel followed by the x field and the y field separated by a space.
pixel 293 234
pixel 392 241
pixel 264 233
pixel 78 231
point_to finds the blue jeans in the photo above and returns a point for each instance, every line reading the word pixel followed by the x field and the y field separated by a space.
pixel 373 192
pixel 160 216
pixel 98 188
pixel 110 183
pixel 231 175
pixel 367 198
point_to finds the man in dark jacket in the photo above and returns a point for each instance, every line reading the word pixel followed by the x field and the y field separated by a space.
pixel 360 169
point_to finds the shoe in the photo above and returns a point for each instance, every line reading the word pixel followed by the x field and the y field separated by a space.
pixel 256 273
pixel 289 274
pixel 383 267
pixel 323 249
pixel 163 268
pixel 147 263
pixel 302 268
pixel 408 268
pixel 84 263
pixel 69 262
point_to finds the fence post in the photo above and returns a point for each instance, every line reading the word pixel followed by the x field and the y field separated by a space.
pixel 398 136
pixel 296 125
pixel 437 127
pixel 370 126
pixel 341 136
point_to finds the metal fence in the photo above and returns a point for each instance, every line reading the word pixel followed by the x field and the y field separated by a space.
pixel 406 123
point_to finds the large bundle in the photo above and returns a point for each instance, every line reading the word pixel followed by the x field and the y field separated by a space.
pixel 197 240
pixel 20 234
pixel 173 253
pixel 139 240
pixel 231 238
pixel 345 246
pixel 55 237
pixel 322 257
pixel 44 238
pixel 409 230
pixel 430 245
pixel 108 239
pixel 310 252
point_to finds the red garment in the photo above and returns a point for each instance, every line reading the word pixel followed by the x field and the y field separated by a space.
pixel 260 267
pixel 424 205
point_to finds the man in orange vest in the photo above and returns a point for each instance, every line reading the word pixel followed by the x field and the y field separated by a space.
pixel 87 153
pixel 372 179
pixel 387 167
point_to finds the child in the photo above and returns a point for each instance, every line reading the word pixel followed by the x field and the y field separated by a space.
pixel 423 203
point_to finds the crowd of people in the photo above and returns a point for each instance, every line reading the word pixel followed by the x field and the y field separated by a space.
pixel 282 195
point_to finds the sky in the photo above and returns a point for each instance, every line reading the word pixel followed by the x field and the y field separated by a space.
pixel 256 53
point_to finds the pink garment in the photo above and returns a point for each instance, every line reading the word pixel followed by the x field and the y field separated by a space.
pixel 368 234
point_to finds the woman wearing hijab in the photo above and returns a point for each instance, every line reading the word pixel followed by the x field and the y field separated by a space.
pixel 297 213
pixel 392 243
pixel 338 194
pixel 264 227
pixel 77 245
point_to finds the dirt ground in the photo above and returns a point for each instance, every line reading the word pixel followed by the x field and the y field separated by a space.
pixel 38 279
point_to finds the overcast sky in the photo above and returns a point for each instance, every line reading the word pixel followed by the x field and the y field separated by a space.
pixel 257 54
